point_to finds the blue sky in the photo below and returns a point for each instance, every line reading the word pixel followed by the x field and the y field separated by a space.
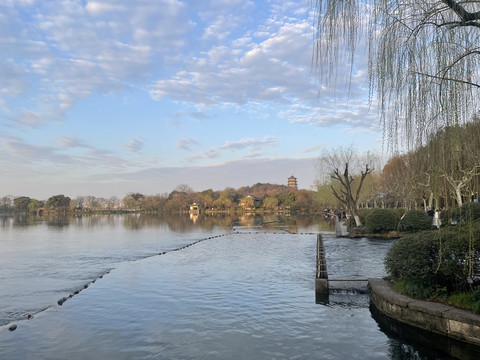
pixel 113 96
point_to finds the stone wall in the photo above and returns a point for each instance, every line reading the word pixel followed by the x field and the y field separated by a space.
pixel 438 318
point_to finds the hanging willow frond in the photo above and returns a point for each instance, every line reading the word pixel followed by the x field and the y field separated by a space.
pixel 423 59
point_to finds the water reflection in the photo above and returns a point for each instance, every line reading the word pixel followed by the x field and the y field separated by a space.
pixel 198 302
pixel 407 342
pixel 179 222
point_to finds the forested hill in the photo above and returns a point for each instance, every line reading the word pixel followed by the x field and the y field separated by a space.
pixel 263 190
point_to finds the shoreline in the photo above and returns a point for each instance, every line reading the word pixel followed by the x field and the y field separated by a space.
pixel 438 318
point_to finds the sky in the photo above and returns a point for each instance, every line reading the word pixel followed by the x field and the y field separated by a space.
pixel 109 97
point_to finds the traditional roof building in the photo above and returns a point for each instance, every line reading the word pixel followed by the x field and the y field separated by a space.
pixel 250 202
pixel 292 182
pixel 194 209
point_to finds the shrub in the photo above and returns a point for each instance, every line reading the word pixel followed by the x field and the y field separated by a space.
pixel 416 220
pixel 441 259
pixel 362 214
pixel 445 217
pixel 466 213
pixel 413 256
pixel 381 220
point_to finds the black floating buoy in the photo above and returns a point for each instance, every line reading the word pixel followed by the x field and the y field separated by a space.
pixel 101 276
pixel 61 301
pixel 76 292
pixel 85 286
pixel 29 316
pixel 12 327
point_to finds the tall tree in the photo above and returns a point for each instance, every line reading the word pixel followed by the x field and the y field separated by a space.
pixel 21 203
pixel 423 58
pixel 460 144
pixel 58 203
pixel 133 201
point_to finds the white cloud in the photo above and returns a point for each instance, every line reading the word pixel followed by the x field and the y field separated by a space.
pixel 275 70
pixel 14 81
pixel 240 59
pixel 248 143
pixel 72 142
pixel 227 174
pixel 254 146
pixel 187 143
pixel 135 144
pixel 98 8
pixel 68 55
pixel 356 114
pixel 28 118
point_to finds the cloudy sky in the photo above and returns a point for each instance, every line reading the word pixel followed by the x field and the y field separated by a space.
pixel 113 96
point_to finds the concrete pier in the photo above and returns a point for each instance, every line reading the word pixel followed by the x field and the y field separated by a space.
pixel 321 278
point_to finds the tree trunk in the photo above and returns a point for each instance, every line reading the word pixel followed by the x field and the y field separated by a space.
pixel 430 200
pixel 458 194
pixel 357 220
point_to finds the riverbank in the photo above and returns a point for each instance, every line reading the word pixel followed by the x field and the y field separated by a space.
pixel 435 317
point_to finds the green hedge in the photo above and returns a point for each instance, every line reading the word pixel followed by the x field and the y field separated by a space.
pixel 466 213
pixel 416 220
pixel 446 217
pixel 381 220
pixel 437 259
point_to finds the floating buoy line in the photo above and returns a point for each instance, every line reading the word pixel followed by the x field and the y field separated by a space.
pixel 61 301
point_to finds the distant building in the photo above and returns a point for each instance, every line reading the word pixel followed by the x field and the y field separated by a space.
pixel 194 209
pixel 292 182
pixel 250 202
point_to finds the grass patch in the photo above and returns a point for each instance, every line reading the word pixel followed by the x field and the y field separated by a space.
pixel 417 288
pixel 421 289
pixel 465 300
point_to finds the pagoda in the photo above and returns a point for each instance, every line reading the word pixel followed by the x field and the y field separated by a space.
pixel 292 182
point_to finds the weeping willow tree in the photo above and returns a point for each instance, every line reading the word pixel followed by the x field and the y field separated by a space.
pixel 423 59
pixel 423 62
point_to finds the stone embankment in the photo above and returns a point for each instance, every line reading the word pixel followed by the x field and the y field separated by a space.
pixel 435 317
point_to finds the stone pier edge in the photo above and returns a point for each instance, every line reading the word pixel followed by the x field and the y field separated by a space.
pixel 435 317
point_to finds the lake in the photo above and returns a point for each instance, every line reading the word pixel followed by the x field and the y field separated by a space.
pixel 153 287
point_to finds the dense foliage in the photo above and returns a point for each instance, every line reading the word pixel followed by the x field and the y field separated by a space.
pixel 380 221
pixel 416 220
pixel 466 213
pixel 270 197
pixel 433 262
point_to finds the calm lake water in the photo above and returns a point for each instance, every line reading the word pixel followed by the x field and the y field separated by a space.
pixel 148 287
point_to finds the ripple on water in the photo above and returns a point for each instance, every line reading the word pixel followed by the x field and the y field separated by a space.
pixel 238 297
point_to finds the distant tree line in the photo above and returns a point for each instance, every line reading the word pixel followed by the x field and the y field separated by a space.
pixel 443 173
pixel 271 197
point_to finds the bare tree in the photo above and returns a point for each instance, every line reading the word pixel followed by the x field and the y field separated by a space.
pixel 348 175
pixel 423 58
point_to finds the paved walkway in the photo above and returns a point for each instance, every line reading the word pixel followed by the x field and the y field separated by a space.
pixel 340 228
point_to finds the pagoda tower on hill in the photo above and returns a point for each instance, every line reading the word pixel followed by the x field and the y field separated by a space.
pixel 292 182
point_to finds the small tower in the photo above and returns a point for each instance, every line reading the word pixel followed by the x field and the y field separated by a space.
pixel 292 182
